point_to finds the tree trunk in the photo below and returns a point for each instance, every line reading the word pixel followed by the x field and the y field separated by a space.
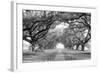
pixel 82 47
pixel 77 46
pixel 33 46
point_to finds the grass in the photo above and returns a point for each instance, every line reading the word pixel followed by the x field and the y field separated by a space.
pixel 53 55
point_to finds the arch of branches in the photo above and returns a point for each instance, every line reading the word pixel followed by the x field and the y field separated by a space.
pixel 36 26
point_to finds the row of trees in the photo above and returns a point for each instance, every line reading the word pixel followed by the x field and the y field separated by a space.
pixel 36 25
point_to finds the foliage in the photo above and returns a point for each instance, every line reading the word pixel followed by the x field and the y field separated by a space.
pixel 37 25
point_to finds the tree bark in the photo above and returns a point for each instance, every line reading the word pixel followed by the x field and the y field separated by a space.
pixel 82 47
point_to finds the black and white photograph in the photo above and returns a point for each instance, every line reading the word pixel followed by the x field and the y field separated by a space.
pixel 55 35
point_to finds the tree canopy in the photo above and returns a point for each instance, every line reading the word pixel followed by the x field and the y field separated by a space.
pixel 39 26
